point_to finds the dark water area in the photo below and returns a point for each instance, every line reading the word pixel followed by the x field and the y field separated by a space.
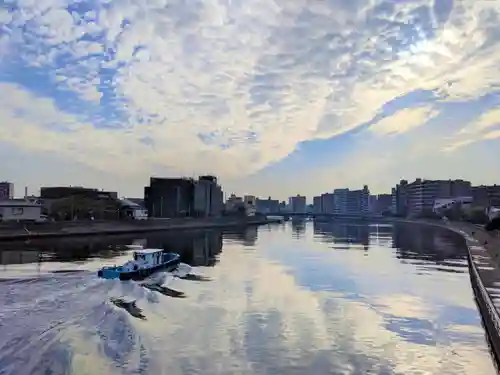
pixel 293 298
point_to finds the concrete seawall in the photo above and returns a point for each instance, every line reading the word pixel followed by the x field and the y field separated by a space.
pixel 51 230
pixel 483 256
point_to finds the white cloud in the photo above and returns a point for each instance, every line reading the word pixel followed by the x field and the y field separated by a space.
pixel 231 88
pixel 492 135
pixel 5 17
pixel 476 131
pixel 403 121
pixel 487 120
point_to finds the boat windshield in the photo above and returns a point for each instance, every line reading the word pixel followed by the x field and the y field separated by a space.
pixel 139 256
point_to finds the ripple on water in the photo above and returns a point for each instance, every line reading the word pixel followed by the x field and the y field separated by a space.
pixel 299 300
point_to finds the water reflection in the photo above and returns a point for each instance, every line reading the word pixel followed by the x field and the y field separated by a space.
pixel 246 236
pixel 298 227
pixel 428 245
pixel 196 248
pixel 343 235
pixel 420 245
pixel 277 304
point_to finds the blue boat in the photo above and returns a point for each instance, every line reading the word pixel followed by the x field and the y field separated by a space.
pixel 145 262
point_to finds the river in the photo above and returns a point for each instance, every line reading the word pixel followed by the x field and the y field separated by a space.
pixel 292 298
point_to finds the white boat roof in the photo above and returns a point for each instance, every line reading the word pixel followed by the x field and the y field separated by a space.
pixel 138 247
pixel 148 251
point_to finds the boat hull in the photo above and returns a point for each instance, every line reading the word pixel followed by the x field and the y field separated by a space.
pixel 141 274
pixel 116 273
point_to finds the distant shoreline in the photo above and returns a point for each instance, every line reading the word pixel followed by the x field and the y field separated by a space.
pixel 72 229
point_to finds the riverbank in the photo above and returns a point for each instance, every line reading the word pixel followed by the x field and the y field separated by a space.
pixel 484 269
pixel 89 228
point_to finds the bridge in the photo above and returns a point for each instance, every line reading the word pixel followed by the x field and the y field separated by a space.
pixel 315 215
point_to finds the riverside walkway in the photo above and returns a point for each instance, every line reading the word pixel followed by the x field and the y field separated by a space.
pixel 484 248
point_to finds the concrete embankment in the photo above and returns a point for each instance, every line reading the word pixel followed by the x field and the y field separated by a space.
pixel 63 229
pixel 484 269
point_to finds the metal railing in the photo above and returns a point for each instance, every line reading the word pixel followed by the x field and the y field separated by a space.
pixel 489 312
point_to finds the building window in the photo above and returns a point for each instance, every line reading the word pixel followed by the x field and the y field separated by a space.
pixel 17 210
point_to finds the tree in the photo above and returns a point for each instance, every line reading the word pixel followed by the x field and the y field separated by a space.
pixel 494 224
pixel 454 212
pixel 83 208
pixel 476 215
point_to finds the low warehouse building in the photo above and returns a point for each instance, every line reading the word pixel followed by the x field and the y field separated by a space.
pixel 20 210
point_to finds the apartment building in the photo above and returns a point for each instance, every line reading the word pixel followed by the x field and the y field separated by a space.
pixel 421 194
pixel 317 206
pixel 328 203
pixel 343 201
pixel 399 205
pixel 486 195
pixel 297 204
pixel 358 201
pixel 324 204
pixel 340 200
pixel 267 205
pixel 381 204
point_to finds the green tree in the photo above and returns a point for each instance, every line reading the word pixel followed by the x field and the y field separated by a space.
pixel 83 208
pixel 476 215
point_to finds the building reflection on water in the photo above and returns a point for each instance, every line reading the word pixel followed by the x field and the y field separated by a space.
pixel 298 227
pixel 344 235
pixel 199 248
pixel 416 244
pixel 421 245
pixel 246 236
pixel 195 248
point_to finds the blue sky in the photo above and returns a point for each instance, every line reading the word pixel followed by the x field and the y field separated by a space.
pixel 275 97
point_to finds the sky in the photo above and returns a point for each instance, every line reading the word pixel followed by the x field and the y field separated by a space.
pixel 275 97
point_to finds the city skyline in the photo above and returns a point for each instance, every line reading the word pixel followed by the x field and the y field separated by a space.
pixel 307 98
pixel 227 194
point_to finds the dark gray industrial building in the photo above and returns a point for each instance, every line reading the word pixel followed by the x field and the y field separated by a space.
pixel 169 197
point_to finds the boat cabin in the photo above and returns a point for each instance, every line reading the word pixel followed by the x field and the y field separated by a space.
pixel 149 256
pixel 144 263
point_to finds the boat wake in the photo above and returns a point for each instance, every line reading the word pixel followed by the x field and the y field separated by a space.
pixel 182 270
pixel 195 278
pixel 165 291
pixel 130 307
pixel 158 282
pixel 46 319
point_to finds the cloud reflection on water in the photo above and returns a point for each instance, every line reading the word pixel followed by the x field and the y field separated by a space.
pixel 282 305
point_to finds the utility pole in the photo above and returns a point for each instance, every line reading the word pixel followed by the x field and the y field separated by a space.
pixel 72 207
pixel 177 199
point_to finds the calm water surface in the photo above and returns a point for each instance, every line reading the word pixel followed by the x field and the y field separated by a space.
pixel 298 298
